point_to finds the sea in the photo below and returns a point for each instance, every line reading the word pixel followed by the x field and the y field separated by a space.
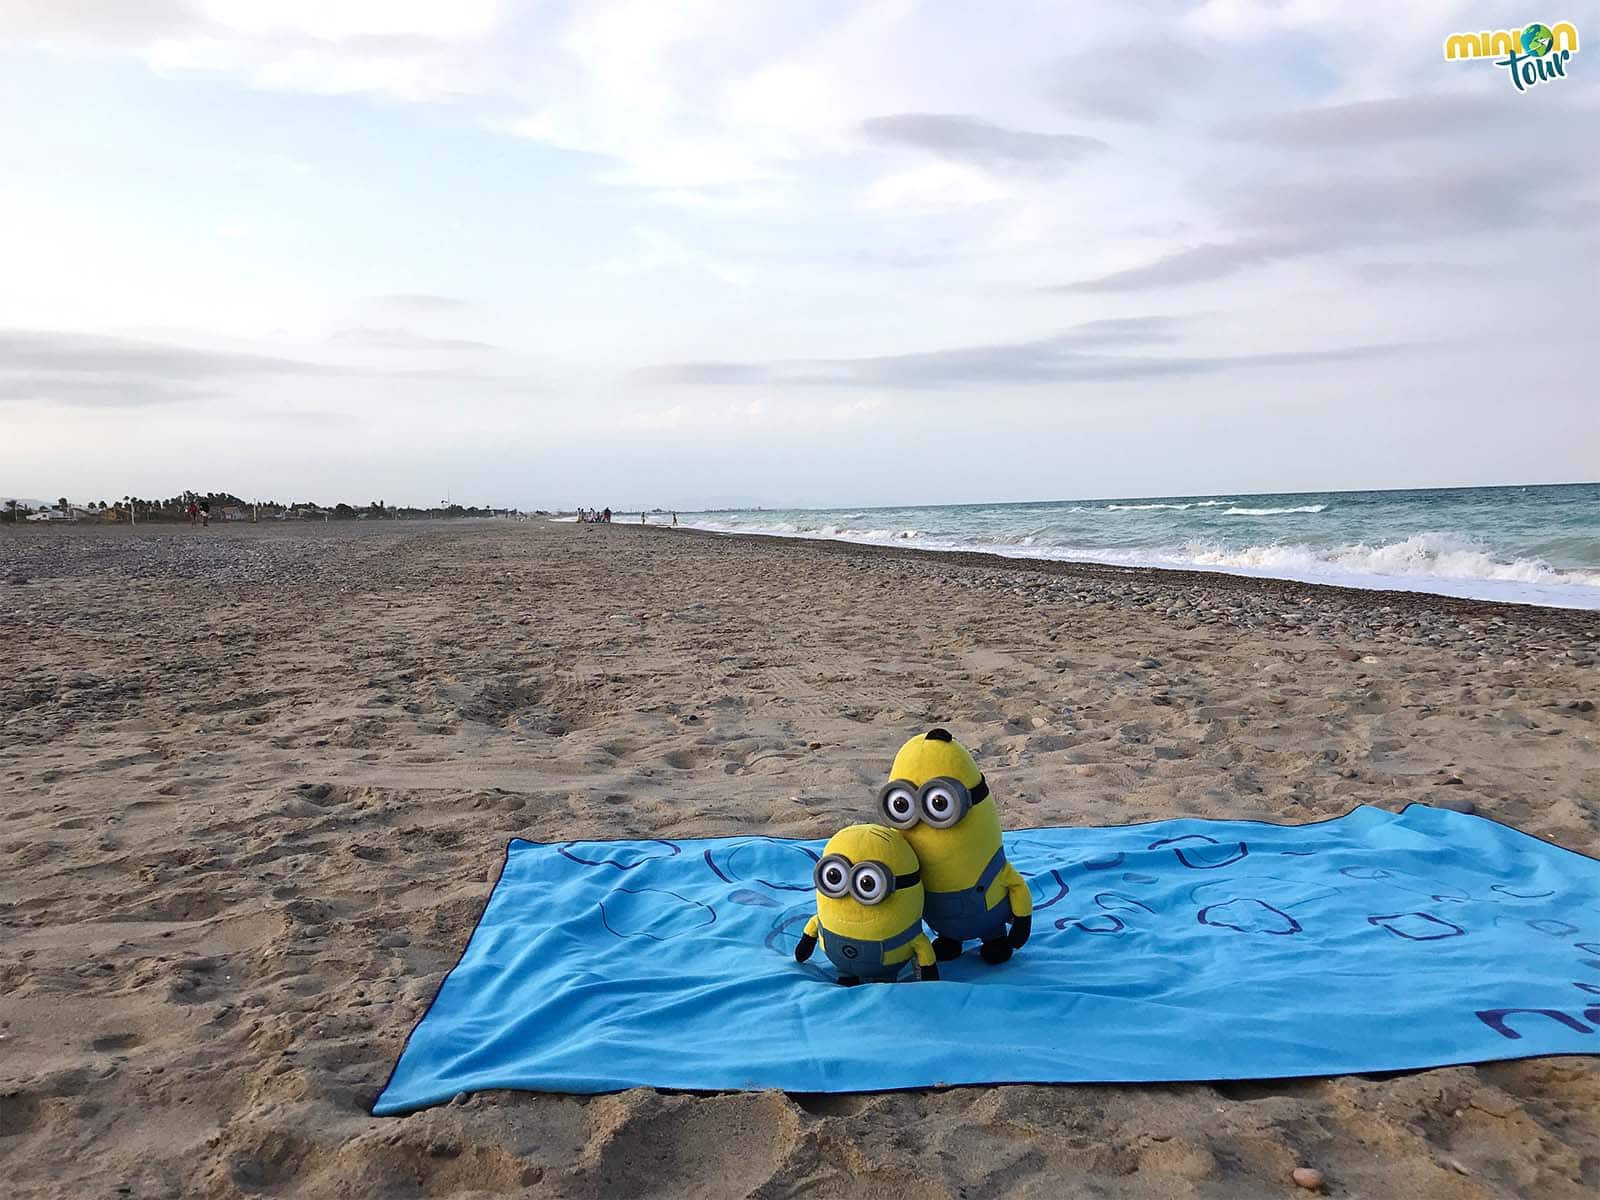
pixel 1528 545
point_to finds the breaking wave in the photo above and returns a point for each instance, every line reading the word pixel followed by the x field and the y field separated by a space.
pixel 1442 562
pixel 1273 512
pixel 1152 507
pixel 1421 556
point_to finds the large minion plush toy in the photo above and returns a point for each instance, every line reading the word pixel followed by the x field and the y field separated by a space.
pixel 869 907
pixel 937 798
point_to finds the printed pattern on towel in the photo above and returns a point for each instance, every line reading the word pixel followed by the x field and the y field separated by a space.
pixel 1178 950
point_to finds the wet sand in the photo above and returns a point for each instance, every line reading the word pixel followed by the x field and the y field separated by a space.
pixel 257 781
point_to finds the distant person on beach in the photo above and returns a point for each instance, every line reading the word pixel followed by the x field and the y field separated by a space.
pixel 205 514
pixel 674 520
pixel 641 517
pixel 606 516
pixel 194 512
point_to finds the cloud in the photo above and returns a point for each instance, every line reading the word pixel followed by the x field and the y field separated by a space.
pixel 98 371
pixel 657 250
pixel 421 302
pixel 1074 355
pixel 367 20
pixel 1471 118
pixel 1196 264
pixel 936 187
pixel 403 339
pixel 1142 81
pixel 116 21
pixel 972 140
pixel 57 351
pixel 1341 204
pixel 1123 331
pixel 92 390
pixel 89 369
pixel 1381 271
pixel 1378 176
pixel 892 258
pixel 758 414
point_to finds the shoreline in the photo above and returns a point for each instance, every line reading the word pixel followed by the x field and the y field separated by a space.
pixel 1520 545
pixel 1584 620
pixel 1580 619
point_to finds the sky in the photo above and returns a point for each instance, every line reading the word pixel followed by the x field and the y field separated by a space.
pixel 700 254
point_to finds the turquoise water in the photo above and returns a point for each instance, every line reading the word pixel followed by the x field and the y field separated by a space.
pixel 1534 545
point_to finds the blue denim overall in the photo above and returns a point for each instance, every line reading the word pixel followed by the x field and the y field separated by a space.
pixel 865 959
pixel 964 915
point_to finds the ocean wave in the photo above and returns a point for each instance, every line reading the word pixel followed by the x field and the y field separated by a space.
pixel 1441 562
pixel 847 534
pixel 1184 507
pixel 1423 556
pixel 1273 512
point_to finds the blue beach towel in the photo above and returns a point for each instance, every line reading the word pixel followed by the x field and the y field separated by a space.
pixel 1178 950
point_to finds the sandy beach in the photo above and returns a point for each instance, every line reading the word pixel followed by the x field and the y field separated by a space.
pixel 258 780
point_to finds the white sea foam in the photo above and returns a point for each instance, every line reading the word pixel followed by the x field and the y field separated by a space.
pixel 1175 508
pixel 1423 555
pixel 1441 562
pixel 1185 507
pixel 1273 512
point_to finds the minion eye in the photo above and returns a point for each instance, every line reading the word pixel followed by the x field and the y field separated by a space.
pixel 869 883
pixel 942 804
pixel 898 803
pixel 832 877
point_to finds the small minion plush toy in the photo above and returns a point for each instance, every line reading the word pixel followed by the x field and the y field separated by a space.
pixel 937 797
pixel 869 907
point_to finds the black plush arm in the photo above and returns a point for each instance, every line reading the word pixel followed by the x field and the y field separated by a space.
pixel 931 971
pixel 1021 927
pixel 807 943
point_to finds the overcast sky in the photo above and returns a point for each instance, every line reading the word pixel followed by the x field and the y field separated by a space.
pixel 696 253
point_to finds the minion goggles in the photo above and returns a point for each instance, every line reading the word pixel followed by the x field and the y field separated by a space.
pixel 869 882
pixel 941 802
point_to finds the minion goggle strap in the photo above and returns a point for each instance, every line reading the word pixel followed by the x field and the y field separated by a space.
pixel 870 882
pixel 941 802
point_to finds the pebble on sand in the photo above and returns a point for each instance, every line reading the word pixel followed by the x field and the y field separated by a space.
pixel 1307 1177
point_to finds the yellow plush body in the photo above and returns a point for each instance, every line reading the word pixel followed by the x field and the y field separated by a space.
pixel 871 941
pixel 954 860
